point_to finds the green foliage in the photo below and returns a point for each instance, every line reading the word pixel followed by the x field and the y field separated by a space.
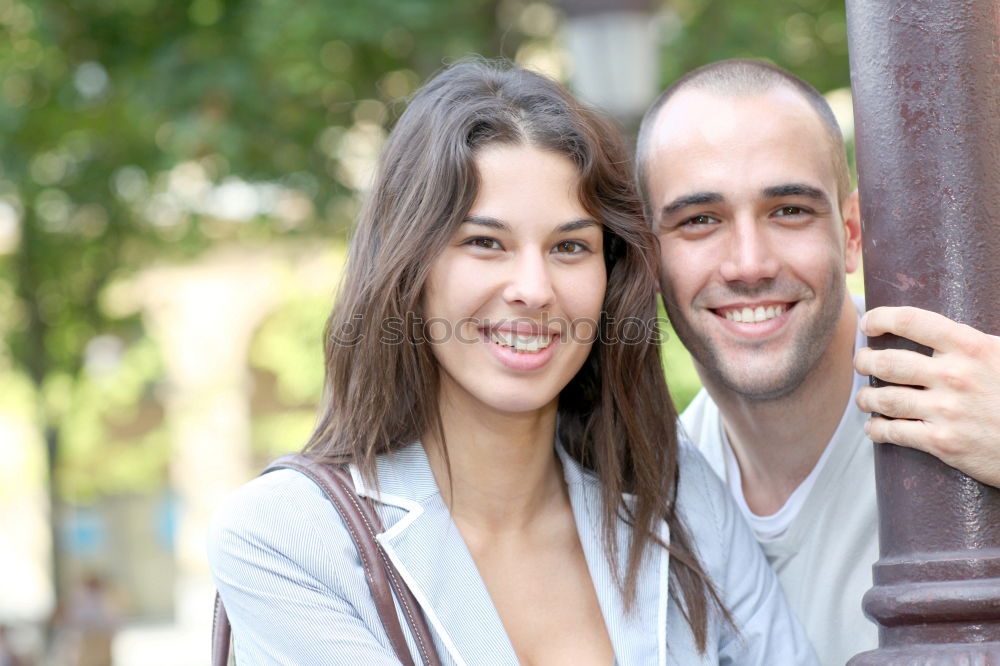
pixel 284 432
pixel 20 468
pixel 116 116
pixel 289 345
pixel 677 366
pixel 101 100
pixel 114 436
pixel 808 37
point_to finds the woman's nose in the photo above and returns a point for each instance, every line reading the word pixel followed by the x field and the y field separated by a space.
pixel 529 285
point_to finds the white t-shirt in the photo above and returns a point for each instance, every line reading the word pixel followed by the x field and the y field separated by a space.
pixel 823 543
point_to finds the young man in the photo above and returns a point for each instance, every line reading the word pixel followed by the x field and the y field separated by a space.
pixel 743 171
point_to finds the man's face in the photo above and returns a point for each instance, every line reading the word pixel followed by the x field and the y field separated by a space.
pixel 753 246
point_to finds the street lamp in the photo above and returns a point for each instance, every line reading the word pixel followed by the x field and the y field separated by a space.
pixel 613 47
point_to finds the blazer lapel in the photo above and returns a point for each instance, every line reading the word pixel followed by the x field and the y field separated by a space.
pixel 638 636
pixel 431 556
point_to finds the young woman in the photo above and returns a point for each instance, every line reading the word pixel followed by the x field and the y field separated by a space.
pixel 494 382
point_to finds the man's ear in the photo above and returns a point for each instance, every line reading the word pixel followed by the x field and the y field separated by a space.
pixel 852 231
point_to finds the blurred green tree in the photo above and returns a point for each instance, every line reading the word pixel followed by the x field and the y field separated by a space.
pixel 116 117
pixel 807 37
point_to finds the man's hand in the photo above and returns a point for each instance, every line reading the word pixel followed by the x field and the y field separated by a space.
pixel 956 416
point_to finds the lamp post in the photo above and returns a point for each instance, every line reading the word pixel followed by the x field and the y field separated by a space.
pixel 926 79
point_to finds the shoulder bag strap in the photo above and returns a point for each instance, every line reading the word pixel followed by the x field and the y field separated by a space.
pixel 221 634
pixel 411 608
pixel 362 524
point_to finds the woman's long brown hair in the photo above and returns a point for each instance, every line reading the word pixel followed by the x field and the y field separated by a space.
pixel 615 416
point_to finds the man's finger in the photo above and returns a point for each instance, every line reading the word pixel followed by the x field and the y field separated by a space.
pixel 897 366
pixel 912 434
pixel 898 402
pixel 921 326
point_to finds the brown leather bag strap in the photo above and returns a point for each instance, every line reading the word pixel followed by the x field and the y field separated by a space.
pixel 363 525
pixel 411 608
pixel 341 493
pixel 221 634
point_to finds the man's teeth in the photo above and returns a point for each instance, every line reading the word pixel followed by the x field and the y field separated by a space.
pixel 758 314
pixel 521 343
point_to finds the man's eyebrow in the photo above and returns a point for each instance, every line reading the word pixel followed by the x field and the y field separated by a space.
pixel 795 190
pixel 696 199
pixel 493 223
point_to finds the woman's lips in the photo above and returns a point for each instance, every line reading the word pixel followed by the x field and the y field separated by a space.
pixel 521 352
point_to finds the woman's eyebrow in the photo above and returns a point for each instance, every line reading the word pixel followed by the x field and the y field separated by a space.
pixel 493 223
pixel 490 222
pixel 575 225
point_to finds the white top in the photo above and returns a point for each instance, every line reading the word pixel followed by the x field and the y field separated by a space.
pixel 777 523
pixel 296 592
pixel 823 543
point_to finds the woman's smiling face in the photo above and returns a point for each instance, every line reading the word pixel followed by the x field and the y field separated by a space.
pixel 512 304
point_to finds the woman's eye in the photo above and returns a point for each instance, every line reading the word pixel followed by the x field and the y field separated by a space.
pixel 484 243
pixel 569 247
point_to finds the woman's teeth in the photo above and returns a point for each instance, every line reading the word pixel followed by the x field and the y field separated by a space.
pixel 754 315
pixel 521 343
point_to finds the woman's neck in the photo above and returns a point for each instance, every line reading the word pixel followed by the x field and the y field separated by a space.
pixel 503 468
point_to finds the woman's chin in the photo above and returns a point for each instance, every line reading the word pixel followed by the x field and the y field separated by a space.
pixel 515 404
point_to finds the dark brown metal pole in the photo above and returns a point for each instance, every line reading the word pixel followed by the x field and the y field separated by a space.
pixel 926 79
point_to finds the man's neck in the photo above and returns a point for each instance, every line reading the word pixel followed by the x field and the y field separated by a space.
pixel 777 443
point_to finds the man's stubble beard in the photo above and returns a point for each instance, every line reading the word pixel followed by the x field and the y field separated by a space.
pixel 808 346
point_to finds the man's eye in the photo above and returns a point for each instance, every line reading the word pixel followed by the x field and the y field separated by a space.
pixel 569 247
pixel 484 243
pixel 699 220
pixel 789 210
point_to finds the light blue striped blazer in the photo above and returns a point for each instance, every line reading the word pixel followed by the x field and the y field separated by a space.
pixel 296 594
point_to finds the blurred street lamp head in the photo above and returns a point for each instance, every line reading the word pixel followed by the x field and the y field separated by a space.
pixel 613 45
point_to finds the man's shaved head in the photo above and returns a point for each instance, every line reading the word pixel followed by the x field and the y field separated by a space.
pixel 737 78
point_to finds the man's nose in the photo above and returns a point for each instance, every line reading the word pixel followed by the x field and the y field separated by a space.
pixel 751 255
pixel 529 285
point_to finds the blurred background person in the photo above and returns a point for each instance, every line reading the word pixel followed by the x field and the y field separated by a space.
pixel 86 626
pixel 8 656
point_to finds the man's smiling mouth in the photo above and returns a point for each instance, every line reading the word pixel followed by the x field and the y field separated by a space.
pixel 753 314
